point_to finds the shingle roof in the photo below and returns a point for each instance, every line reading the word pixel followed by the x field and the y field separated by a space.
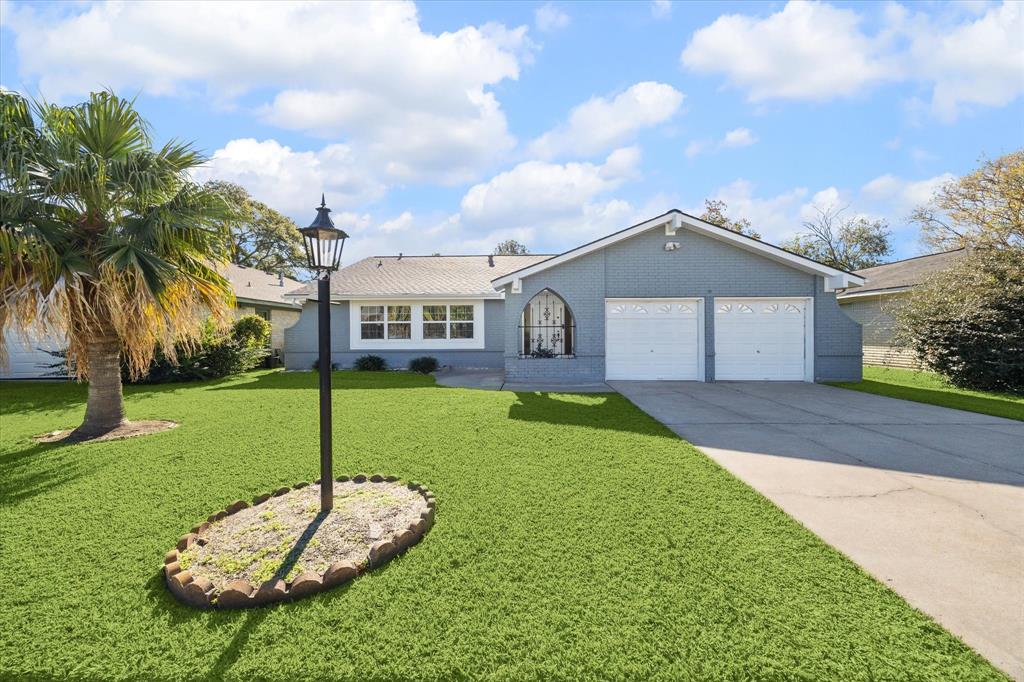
pixel 255 285
pixel 904 273
pixel 422 276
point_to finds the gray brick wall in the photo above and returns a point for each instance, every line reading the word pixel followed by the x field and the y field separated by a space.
pixel 701 267
pixel 301 342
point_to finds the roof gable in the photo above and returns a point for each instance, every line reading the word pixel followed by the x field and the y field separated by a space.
pixel 675 220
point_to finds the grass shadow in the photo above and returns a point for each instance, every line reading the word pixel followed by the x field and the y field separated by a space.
pixel 340 381
pixel 1008 407
pixel 594 410
pixel 38 469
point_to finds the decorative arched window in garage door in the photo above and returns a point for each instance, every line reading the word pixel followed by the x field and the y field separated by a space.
pixel 547 328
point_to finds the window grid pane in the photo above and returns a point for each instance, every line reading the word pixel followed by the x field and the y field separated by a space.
pixel 371 313
pixel 399 330
pixel 399 313
pixel 462 312
pixel 435 330
pixel 435 313
pixel 462 330
pixel 373 330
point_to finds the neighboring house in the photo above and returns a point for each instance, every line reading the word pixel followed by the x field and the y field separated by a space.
pixel 263 294
pixel 874 304
pixel 256 292
pixel 671 298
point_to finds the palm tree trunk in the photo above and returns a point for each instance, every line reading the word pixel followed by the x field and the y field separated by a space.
pixel 104 410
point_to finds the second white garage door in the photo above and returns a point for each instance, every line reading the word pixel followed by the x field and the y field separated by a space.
pixel 650 339
pixel 758 339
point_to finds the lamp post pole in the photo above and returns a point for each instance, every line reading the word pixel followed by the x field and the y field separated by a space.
pixel 324 324
pixel 323 243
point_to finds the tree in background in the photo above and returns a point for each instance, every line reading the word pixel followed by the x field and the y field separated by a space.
pixel 259 236
pixel 715 212
pixel 967 322
pixel 106 239
pixel 510 247
pixel 984 208
pixel 844 242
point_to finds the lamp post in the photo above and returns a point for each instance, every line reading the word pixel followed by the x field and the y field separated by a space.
pixel 324 243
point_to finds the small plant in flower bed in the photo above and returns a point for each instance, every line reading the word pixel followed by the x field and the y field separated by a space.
pixel 370 363
pixel 424 365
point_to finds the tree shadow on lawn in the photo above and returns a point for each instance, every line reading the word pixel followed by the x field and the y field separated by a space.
pixel 38 469
pixel 1000 407
pixel 340 381
pixel 25 397
pixel 594 410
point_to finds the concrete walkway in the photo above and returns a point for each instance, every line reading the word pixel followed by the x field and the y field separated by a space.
pixel 494 380
pixel 928 500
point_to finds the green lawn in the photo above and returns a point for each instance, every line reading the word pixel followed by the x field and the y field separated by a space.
pixel 928 387
pixel 575 538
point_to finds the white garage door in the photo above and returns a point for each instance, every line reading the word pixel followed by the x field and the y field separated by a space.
pixel 760 339
pixel 649 339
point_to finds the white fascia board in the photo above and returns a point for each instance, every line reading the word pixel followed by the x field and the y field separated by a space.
pixel 490 296
pixel 834 278
pixel 876 292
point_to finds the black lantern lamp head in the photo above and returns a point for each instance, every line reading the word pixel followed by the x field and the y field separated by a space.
pixel 323 241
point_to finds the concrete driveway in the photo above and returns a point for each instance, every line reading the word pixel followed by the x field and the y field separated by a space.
pixel 928 500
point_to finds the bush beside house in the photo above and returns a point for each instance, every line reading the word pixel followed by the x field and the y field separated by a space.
pixel 218 354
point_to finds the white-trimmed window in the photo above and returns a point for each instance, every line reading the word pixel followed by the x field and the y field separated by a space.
pixel 371 322
pixel 461 321
pixel 414 324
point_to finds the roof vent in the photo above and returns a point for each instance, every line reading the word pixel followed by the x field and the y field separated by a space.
pixel 399 255
pixel 280 279
pixel 380 264
pixel 490 261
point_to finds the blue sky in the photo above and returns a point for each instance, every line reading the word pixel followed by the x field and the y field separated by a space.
pixel 446 127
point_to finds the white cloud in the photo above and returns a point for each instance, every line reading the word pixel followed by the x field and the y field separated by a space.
pixel 661 9
pixel 975 62
pixel 289 180
pixel 899 196
pixel 805 51
pixel 415 105
pixel 968 55
pixel 549 18
pixel 554 191
pixel 601 123
pixel 738 137
pixel 776 217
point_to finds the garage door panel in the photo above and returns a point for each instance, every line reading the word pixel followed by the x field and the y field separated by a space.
pixel 653 339
pixel 760 339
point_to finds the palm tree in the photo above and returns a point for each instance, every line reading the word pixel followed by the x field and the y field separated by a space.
pixel 106 239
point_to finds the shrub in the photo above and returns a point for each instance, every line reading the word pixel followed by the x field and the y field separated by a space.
pixel 218 353
pixel 252 330
pixel 316 365
pixel 370 363
pixel 967 322
pixel 424 365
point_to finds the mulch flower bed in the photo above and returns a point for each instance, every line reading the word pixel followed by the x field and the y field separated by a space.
pixel 282 547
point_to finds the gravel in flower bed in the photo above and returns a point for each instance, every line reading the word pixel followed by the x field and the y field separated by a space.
pixel 286 536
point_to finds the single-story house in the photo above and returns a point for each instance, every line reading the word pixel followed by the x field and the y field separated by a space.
pixel 874 304
pixel 256 292
pixel 671 298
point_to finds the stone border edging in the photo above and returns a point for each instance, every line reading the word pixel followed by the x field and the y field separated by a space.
pixel 200 592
